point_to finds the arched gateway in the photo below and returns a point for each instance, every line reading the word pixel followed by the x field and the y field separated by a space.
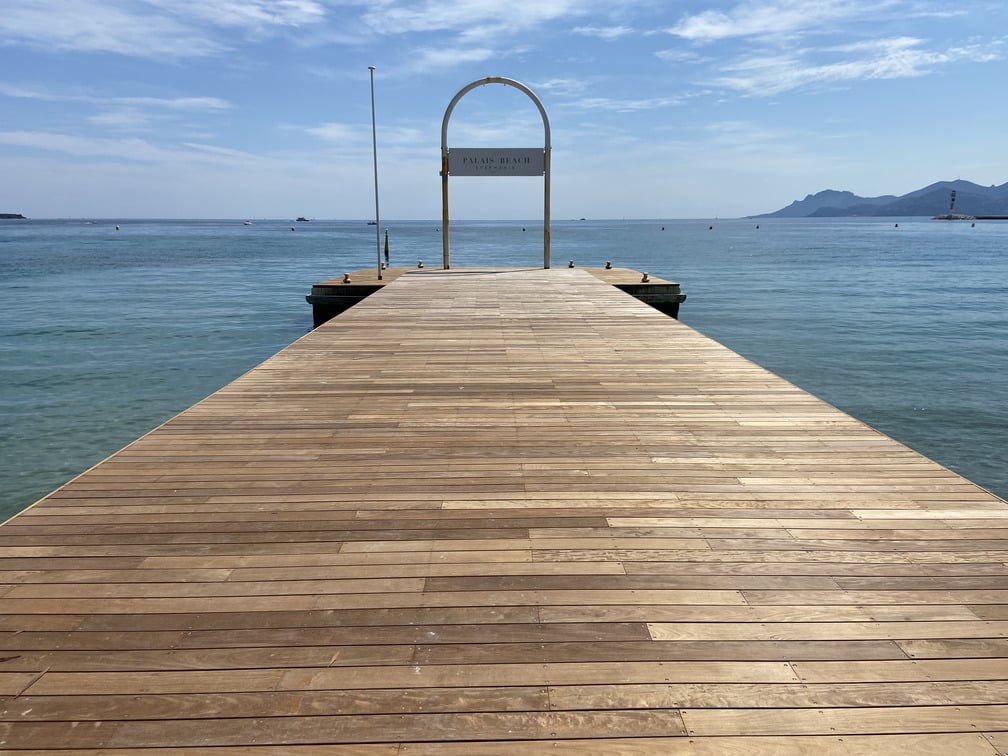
pixel 495 162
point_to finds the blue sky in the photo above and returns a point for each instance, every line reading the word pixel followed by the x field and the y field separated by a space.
pixel 658 109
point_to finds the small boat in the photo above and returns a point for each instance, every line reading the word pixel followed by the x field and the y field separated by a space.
pixel 372 223
pixel 302 219
pixel 248 223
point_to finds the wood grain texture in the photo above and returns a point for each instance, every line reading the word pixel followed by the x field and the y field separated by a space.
pixel 489 512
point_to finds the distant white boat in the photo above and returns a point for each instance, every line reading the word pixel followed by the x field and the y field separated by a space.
pixel 248 223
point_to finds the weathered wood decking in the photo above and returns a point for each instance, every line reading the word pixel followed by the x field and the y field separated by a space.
pixel 330 298
pixel 508 512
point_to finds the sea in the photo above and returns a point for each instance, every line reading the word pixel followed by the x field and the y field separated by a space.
pixel 109 327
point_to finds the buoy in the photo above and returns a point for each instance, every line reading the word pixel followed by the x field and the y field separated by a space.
pixel 117 226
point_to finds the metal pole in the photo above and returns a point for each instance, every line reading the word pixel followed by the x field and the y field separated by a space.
pixel 546 209
pixel 374 147
pixel 444 210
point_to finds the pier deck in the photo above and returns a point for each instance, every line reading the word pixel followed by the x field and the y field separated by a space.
pixel 508 512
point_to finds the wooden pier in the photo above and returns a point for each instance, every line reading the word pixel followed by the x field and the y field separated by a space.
pixel 330 298
pixel 500 512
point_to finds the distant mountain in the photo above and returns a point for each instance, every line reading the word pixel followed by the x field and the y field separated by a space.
pixel 971 199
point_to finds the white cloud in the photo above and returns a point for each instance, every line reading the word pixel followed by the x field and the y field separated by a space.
pixel 603 32
pixel 627 105
pixel 198 104
pixel 225 155
pixel 561 87
pixel 404 136
pixel 680 56
pixel 29 93
pixel 126 28
pixel 760 18
pixel 338 133
pixel 85 147
pixel 140 113
pixel 435 58
pixel 174 29
pixel 122 119
pixel 474 18
pixel 122 113
pixel 246 14
pixel 895 58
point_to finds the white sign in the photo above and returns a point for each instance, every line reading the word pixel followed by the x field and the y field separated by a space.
pixel 475 161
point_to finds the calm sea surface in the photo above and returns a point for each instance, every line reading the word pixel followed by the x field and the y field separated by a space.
pixel 104 334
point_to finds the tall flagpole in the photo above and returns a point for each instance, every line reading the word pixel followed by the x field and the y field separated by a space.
pixel 374 147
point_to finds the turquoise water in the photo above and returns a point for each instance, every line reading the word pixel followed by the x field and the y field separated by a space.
pixel 104 334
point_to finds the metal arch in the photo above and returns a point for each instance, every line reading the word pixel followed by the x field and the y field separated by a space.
pixel 444 160
pixel 483 82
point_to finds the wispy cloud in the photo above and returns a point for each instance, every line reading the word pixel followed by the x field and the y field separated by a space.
pixel 122 113
pixel 627 105
pixel 128 149
pixel 561 87
pixel 225 155
pixel 603 32
pixel 141 113
pixel 337 133
pixel 895 58
pixel 760 18
pixel 77 146
pixel 189 104
pixel 435 58
pixel 251 15
pixel 173 29
pixel 681 56
pixel 128 28
pixel 122 119
pixel 475 19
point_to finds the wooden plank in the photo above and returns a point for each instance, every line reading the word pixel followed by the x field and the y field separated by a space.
pixel 372 728
pixel 783 695
pixel 903 671
pixel 839 631
pixel 327 635
pixel 143 661
pixel 87 708
pixel 845 721
pixel 754 614
pixel 12 683
pixel 792 745
pixel 355 749
pixel 659 651
pixel 359 677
